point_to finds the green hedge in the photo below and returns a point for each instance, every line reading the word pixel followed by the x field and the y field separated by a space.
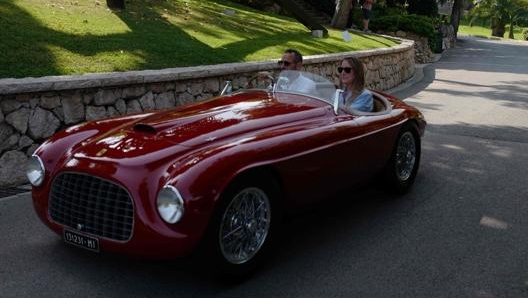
pixel 419 25
pixel 525 34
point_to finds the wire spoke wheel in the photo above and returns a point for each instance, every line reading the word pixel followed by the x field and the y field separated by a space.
pixel 405 156
pixel 245 225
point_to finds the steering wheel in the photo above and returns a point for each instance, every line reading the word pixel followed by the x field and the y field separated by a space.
pixel 255 81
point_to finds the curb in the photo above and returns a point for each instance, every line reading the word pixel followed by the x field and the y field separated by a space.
pixel 13 192
pixel 417 77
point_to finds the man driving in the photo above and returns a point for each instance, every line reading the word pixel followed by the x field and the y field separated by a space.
pixel 290 64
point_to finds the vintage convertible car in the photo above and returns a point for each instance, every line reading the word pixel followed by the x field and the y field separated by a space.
pixel 218 175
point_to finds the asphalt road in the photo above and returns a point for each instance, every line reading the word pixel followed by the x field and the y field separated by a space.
pixel 460 232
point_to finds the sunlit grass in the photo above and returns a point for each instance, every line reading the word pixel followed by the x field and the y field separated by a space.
pixel 74 17
pixel 482 29
pixel 56 37
pixel 69 62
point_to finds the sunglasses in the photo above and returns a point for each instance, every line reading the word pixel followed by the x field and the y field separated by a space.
pixel 346 69
pixel 285 63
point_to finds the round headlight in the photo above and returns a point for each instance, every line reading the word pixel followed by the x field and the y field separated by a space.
pixel 35 171
pixel 170 204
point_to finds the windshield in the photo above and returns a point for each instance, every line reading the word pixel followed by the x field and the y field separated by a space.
pixel 305 83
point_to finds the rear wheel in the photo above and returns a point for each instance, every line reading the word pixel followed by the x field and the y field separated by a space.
pixel 244 225
pixel 405 160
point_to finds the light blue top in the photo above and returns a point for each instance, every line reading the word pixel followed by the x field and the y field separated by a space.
pixel 363 102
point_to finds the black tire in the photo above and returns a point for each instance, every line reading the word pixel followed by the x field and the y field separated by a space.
pixel 244 225
pixel 405 160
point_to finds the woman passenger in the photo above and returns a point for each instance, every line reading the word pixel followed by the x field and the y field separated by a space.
pixel 352 78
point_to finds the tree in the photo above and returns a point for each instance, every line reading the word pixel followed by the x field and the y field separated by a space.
pixel 395 3
pixel 519 10
pixel 423 7
pixel 115 4
pixel 342 13
pixel 456 14
pixel 501 13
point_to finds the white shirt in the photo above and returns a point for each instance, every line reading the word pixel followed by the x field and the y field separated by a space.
pixel 301 84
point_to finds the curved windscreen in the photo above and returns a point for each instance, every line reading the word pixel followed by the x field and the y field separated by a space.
pixel 305 83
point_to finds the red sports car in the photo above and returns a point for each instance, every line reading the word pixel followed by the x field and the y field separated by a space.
pixel 217 174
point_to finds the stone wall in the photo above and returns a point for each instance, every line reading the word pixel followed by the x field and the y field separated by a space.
pixel 33 109
pixel 423 53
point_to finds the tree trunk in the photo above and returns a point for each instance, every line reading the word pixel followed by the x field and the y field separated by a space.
pixel 498 31
pixel 115 4
pixel 498 27
pixel 456 12
pixel 510 35
pixel 342 13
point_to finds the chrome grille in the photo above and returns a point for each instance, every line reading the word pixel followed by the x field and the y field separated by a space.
pixel 91 205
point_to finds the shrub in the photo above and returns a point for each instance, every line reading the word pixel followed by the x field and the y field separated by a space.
pixel 419 25
pixel 423 7
pixel 525 34
pixel 325 6
pixel 261 5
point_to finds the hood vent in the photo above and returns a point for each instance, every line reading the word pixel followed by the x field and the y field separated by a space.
pixel 145 128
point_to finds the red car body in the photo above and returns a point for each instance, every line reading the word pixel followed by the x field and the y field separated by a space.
pixel 299 140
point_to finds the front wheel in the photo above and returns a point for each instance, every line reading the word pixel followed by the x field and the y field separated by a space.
pixel 244 225
pixel 405 160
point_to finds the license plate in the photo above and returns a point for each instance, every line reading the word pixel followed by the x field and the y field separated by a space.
pixel 86 242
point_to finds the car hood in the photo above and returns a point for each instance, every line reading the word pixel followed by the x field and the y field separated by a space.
pixel 224 119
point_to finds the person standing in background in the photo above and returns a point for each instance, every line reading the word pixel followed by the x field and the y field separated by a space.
pixel 366 7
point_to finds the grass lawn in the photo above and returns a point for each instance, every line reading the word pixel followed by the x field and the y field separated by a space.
pixel 59 37
pixel 482 29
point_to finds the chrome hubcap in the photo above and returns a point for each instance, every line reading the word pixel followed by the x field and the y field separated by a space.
pixel 245 225
pixel 405 156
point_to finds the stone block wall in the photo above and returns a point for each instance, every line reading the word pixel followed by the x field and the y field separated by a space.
pixel 33 109
pixel 423 53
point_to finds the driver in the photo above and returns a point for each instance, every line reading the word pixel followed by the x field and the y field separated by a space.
pixel 293 60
